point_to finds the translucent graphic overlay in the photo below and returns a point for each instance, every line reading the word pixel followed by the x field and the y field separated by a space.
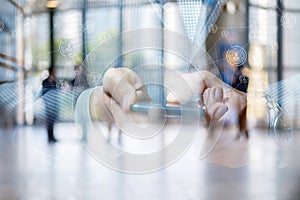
pixel 281 98
pixel 150 141
pixel 68 47
pixel 236 55
pixel 288 20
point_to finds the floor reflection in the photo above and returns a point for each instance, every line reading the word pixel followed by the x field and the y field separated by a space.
pixel 33 169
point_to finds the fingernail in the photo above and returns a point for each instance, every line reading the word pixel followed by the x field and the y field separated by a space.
pixel 171 98
pixel 141 96
pixel 221 111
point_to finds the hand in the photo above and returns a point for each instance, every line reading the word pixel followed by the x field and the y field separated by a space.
pixel 217 97
pixel 121 88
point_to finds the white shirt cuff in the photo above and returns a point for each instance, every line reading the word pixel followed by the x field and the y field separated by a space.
pixel 82 108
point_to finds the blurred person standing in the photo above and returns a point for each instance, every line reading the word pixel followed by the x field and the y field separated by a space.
pixel 80 82
pixel 50 98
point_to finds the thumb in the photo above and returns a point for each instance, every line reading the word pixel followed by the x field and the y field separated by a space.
pixel 183 87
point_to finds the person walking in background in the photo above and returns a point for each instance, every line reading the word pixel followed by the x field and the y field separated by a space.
pixel 80 82
pixel 233 73
pixel 50 98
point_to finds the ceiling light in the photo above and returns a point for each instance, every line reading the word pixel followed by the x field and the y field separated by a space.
pixel 52 3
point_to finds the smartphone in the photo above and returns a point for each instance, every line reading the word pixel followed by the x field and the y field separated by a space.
pixel 171 110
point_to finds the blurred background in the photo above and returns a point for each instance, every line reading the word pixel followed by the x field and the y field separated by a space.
pixel 35 33
pixel 39 35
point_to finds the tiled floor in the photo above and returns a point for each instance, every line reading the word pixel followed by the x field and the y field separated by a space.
pixel 31 169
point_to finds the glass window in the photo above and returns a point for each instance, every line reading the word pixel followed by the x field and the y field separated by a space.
pixel 262 24
pixel 291 4
pixel 264 3
pixel 291 41
pixel 39 41
pixel 68 42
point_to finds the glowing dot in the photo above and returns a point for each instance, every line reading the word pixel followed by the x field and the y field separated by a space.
pixel 213 28
pixel 221 2
pixel 88 27
pixel 225 33
pixel 288 20
pixel 93 79
pixel 236 55
pixel 272 49
pixel 243 79
pixel 61 85
pixel 68 48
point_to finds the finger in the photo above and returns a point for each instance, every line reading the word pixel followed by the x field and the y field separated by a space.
pixel 186 85
pixel 206 97
pixel 209 80
pixel 213 99
pixel 219 94
pixel 107 115
pixel 181 88
pixel 171 98
pixel 217 110
pixel 134 90
pixel 141 94
pixel 121 84
pixel 212 95
pixel 200 81
pixel 116 112
pixel 98 109
pixel 120 117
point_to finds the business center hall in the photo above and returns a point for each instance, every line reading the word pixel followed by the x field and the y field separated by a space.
pixel 149 99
